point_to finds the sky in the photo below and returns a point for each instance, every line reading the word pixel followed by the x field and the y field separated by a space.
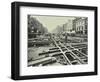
pixel 51 22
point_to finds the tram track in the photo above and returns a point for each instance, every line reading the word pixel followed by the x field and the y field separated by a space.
pixel 72 54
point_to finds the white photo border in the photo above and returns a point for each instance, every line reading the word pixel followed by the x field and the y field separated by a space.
pixel 25 71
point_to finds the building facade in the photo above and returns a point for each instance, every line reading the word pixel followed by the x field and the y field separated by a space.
pixel 68 26
pixel 80 25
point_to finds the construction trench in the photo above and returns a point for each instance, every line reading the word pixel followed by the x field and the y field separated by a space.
pixel 61 54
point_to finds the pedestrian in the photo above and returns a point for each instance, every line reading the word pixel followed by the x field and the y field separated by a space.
pixel 66 37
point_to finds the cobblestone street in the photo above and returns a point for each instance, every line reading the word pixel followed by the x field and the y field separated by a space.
pixel 59 53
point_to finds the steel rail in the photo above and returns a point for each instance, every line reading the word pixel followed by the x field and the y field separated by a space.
pixel 62 52
pixel 79 51
pixel 73 54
